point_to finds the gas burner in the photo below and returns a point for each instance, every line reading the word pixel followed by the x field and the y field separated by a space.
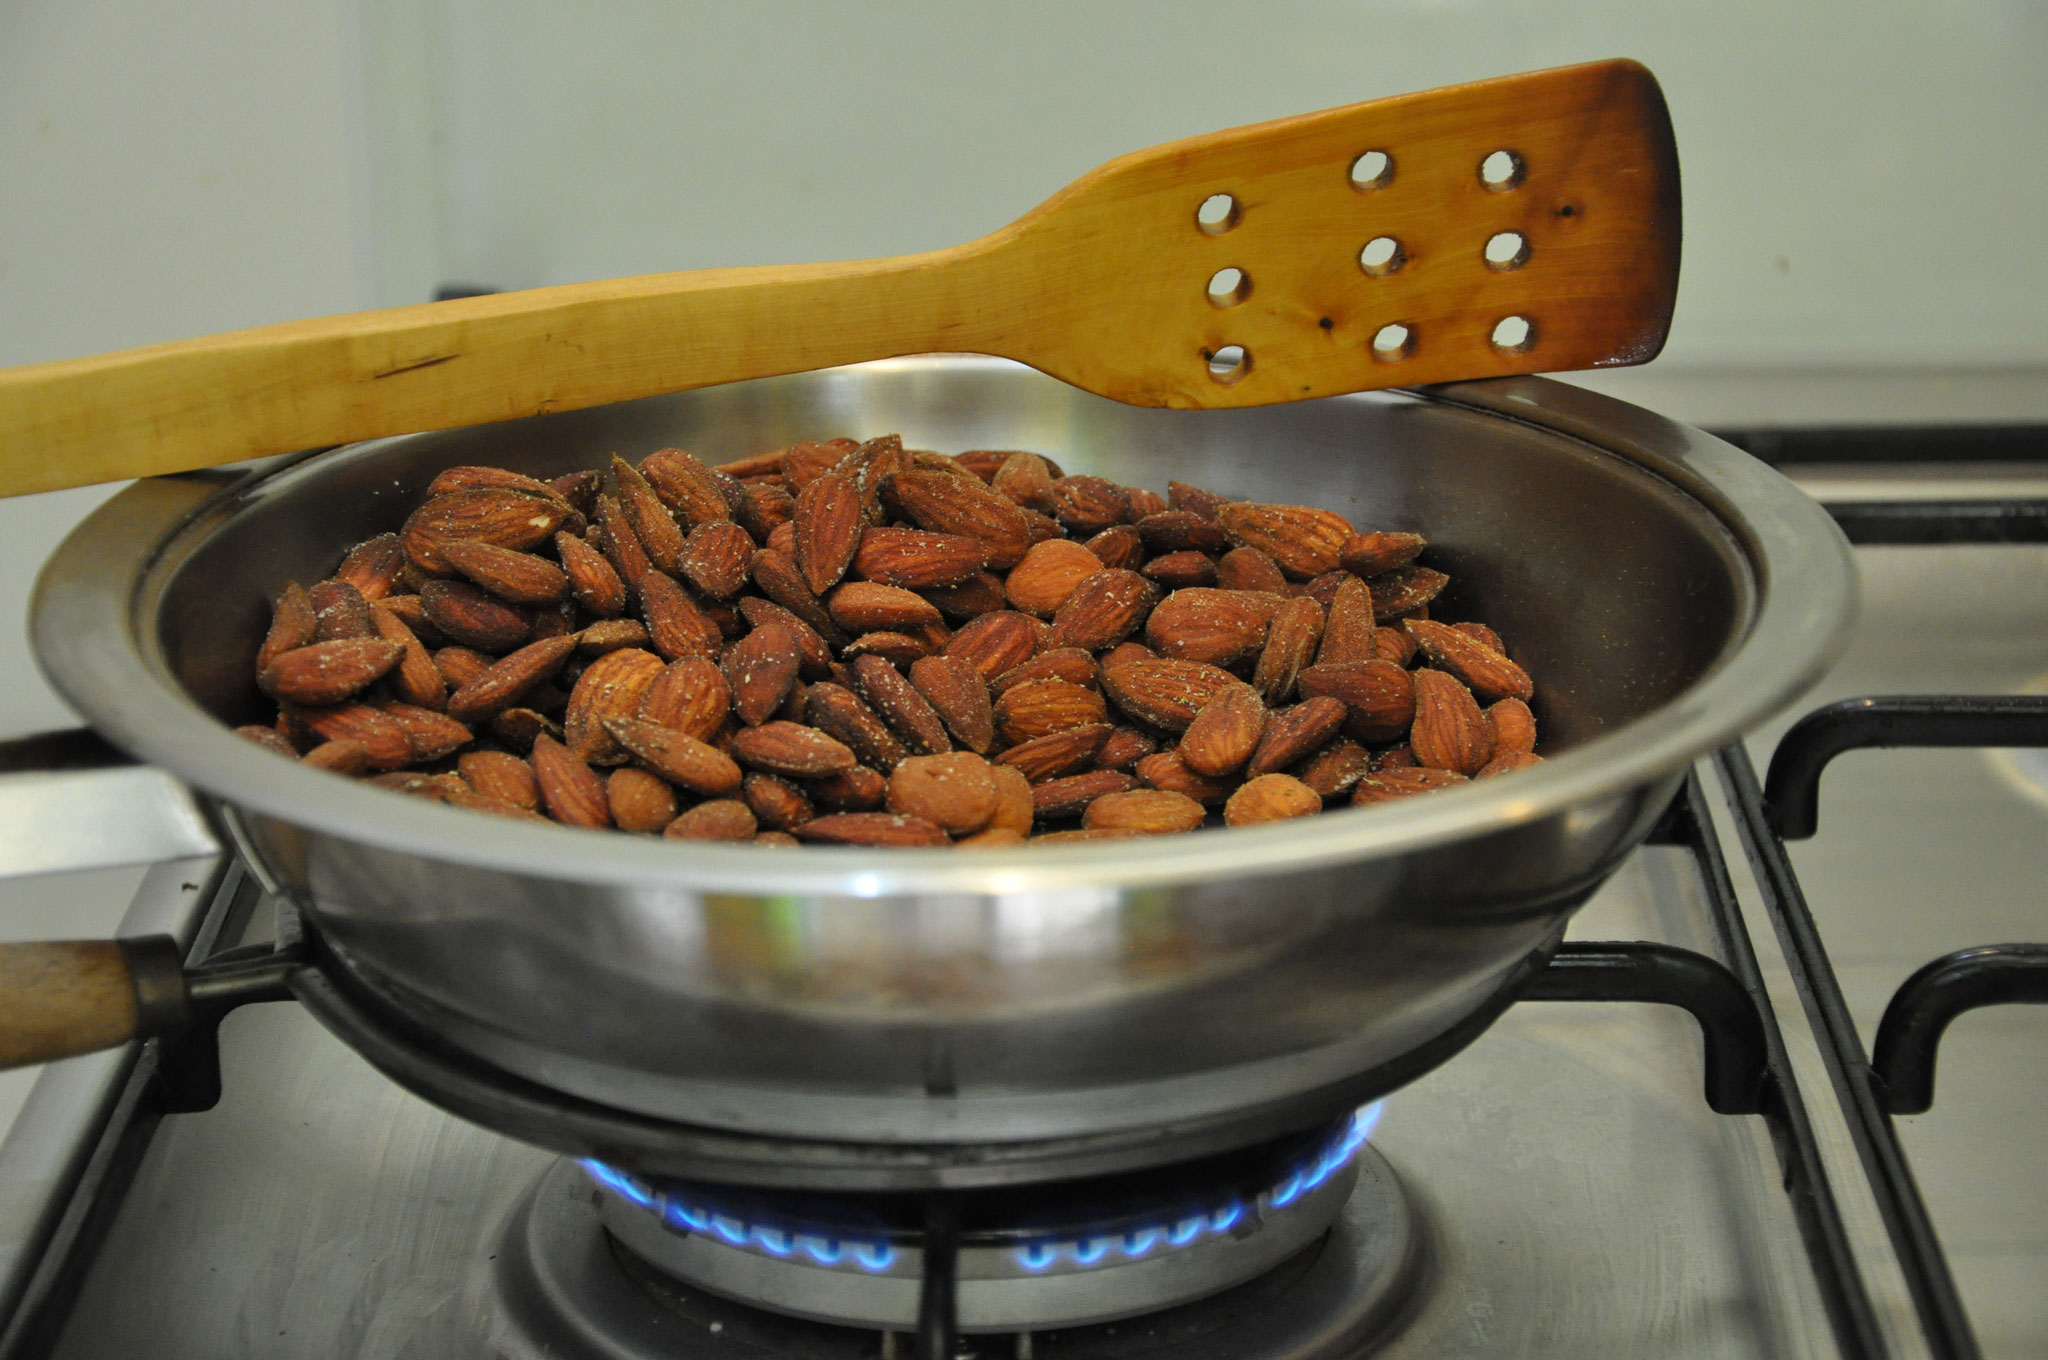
pixel 1321 1276
pixel 1057 1255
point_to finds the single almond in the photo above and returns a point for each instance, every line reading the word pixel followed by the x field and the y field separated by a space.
pixel 675 624
pixel 501 775
pixel 1181 571
pixel 510 519
pixel 1015 805
pixel 379 732
pixel 827 527
pixel 474 477
pixel 1249 569
pixel 515 577
pixel 1118 547
pixel 859 789
pixel 917 559
pixel 373 566
pixel 955 791
pixel 689 695
pixel 958 694
pixel 608 635
pixel 460 665
pixel 612 686
pixel 659 534
pixel 979 594
pixel 1405 590
pixel 686 486
pixel 1225 732
pixel 579 489
pixel 1514 727
pixel 1335 769
pixel 1046 757
pixel 809 458
pixel 1164 692
pixel 901 706
pixel 1026 479
pixel 1396 782
pixel 1380 695
pixel 1048 575
pixel 765 507
pixel 1183 496
pixel 884 830
pixel 1166 770
pixel 790 748
pixel 1301 539
pixel 431 736
pixel 339 757
pixel 614 537
pixel 505 682
pixel 1061 663
pixel 1087 505
pixel 1042 707
pixel 1507 762
pixel 638 801
pixel 1483 669
pixel 292 625
pixel 415 679
pixel 474 618
pixel 1217 626
pixel 816 654
pixel 1291 642
pixel 842 714
pixel 677 757
pixel 1395 645
pixel 339 612
pixel 328 672
pixel 1071 795
pixel 775 802
pixel 716 557
pixel 1104 609
pixel 722 819
pixel 1370 554
pixel 1450 731
pixel 995 643
pixel 956 505
pixel 570 791
pixel 1270 798
pixel 1348 633
pixel 862 606
pixel 1171 531
pixel 760 669
pixel 1150 812
pixel 1292 733
pixel 593 581
pixel 1125 748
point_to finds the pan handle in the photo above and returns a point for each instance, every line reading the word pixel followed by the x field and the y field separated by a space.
pixel 60 998
pixel 70 801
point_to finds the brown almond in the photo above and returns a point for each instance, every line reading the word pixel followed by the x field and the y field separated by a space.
pixel 501 775
pixel 1172 531
pixel 1387 785
pixel 1323 589
pixel 979 594
pixel 775 802
pixel 1380 695
pixel 1335 768
pixel 382 734
pixel 473 618
pixel 1026 479
pixel 817 656
pixel 957 505
pixel 1484 670
pixel 1149 812
pixel 901 706
pixel 716 557
pixel 608 635
pixel 1048 575
pixel 1216 626
pixel 1348 633
pixel 760 669
pixel 1514 727
pixel 510 519
pixel 955 791
pixel 864 606
pixel 690 696
pixel 917 559
pixel 1370 554
pixel 505 682
pixel 659 534
pixel 958 694
pixel 430 735
pixel 808 458
pixel 292 625
pixel 415 679
pixel 827 526
pixel 1071 795
pixel 995 643
pixel 460 665
pixel 1046 757
pixel 790 748
pixel 1181 571
pixel 515 577
pixel 776 576
pixel 1087 505
pixel 570 791
pixel 1118 547
pixel 614 537
pixel 1061 663
pixel 1041 707
pixel 1166 770
pixel 1270 798
pixel 474 477
pixel 373 566
pixel 1405 590
pixel 519 727
pixel 722 819
pixel 612 686
pixel 1507 762
pixel 859 789
pixel 885 830
pixel 765 507
pixel 339 612
pixel 1015 807
pixel 1395 758
pixel 685 486
pixel 1225 732
pixel 638 801
pixel 1395 645
pixel 677 757
pixel 898 649
pixel 593 581
pixel 1450 731
pixel 1165 692
pixel 1104 609
pixel 675 624
pixel 1292 733
pixel 1182 496
pixel 1126 747
pixel 328 672
pixel 1301 539
pixel 1291 642
pixel 1127 651
pixel 842 714
pixel 1249 569
pixel 578 488
pixel 339 757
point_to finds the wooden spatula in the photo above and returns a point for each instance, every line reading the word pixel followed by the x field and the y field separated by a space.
pixel 1510 226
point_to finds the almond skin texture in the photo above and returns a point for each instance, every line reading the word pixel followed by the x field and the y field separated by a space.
pixel 1301 540
pixel 685 486
pixel 292 625
pixel 723 819
pixel 378 731
pixel 608 635
pixel 1015 807
pixel 506 681
pixel 690 696
pixel 995 643
pixel 415 679
pixel 859 789
pixel 1104 609
pixel 958 694
pixel 1048 575
pixel 339 757
pixel 1171 531
pixel 1150 812
pixel 1026 479
pixel 638 801
pixel 500 775
pixel 1118 547
pixel 1335 769
pixel 680 759
pixel 1483 669
pixel 515 577
pixel 1380 695
pixel 1087 505
pixel 328 672
pixel 760 670
pixel 917 559
pixel 1046 757
pixel 1126 747
pixel 1165 692
pixel 1216 626
pixel 862 606
pixel 1071 795
pixel 1291 641
pixel 1405 590
pixel 1387 785
pixel 593 582
pixel 792 749
pixel 776 574
pixel 1348 633
pixel 1070 664
pixel 1514 728
pixel 1371 554
pixel 1270 798
pixel 956 505
pixel 840 713
pixel 1505 763
pixel 610 687
pixel 901 706
pixel 339 611
pixel 1292 733
pixel 430 735
pixel 715 558
pixel 473 618
pixel 1249 569
pixel 1450 731
pixel 675 623
pixel 373 567
pixel 509 519
pixel 570 791
pixel 775 802
pixel 816 653
pixel 882 829
pixel 1043 707
pixel 1181 570
pixel 956 791
pixel 828 524
pixel 1225 732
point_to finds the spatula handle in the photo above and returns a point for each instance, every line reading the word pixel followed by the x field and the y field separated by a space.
pixel 60 998
pixel 199 403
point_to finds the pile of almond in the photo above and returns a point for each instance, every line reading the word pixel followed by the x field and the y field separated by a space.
pixel 863 644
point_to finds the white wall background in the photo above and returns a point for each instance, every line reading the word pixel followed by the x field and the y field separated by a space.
pixel 1863 182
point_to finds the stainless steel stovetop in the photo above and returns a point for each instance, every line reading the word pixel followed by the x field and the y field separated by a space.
pixel 1574 1193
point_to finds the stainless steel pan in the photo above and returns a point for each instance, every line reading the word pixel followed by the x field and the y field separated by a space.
pixel 1667 592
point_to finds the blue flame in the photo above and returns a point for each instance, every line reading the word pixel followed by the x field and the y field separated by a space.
pixel 878 1255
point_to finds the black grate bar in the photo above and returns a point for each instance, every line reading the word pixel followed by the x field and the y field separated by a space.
pixel 938 1325
pixel 1942 1318
pixel 1792 789
pixel 1894 443
pixel 1850 1313
pixel 1910 523
pixel 1902 1060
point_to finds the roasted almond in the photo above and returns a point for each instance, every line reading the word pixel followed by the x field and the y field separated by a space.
pixel 460 665
pixel 979 594
pixel 502 776
pixel 955 791
pixel 1041 707
pixel 608 635
pixel 473 618
pixel 859 789
pixel 292 625
pixel 917 559
pixel 1335 768
pixel 1149 812
pixel 1249 569
pixel 842 714
pixel 579 489
pixel 339 612
pixel 716 557
pixel 1514 727
pixel 1104 609
pixel 764 508
pixel 474 477
pixel 1026 479
pixel 685 486
pixel 505 682
pixel 1270 798
pixel 880 829
pixel 722 819
pixel 828 524
pixel 1046 757
pixel 689 695
pixel 328 672
pixel 790 748
pixel 1118 547
pixel 269 738
pixel 1292 733
pixel 1166 770
pixel 995 643
pixel 519 728
pixel 1483 669
pixel 898 649
pixel 1450 732
pixel 1061 663
pixel 1216 626
pixel 510 519
pixel 901 706
pixel 775 802
pixel 431 735
pixel 1370 554
pixel 958 694
pixel 612 686
pixel 1172 531
pixel 864 606
pixel 675 624
pixel 516 577
pixel 1181 570
pixel 372 567
pixel 1380 695
pixel 570 791
pixel 1070 795
pixel 1507 762
pixel 378 731
pixel 1393 644
pixel 816 655
pixel 1301 539
pixel 1165 692
pixel 1405 590
pixel 960 505
pixel 1126 747
pixel 1087 505
pixel 614 537
pixel 1182 496
pixel 1348 633
pixel 1225 732
pixel 339 757
pixel 1048 575
pixel 778 578
pixel 807 459
pixel 415 679
pixel 677 757
pixel 659 534
pixel 1387 785
pixel 760 670
pixel 1291 642
pixel 638 801
pixel 593 581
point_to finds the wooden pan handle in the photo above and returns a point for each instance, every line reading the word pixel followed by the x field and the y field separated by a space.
pixel 63 997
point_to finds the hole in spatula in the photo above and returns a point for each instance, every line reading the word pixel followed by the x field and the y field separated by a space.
pixel 1229 364
pixel 1228 287
pixel 1513 335
pixel 1507 250
pixel 1501 171
pixel 1373 170
pixel 1218 214
pixel 1392 343
pixel 1382 256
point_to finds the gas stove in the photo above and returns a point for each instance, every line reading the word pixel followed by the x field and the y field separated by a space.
pixel 1715 1174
